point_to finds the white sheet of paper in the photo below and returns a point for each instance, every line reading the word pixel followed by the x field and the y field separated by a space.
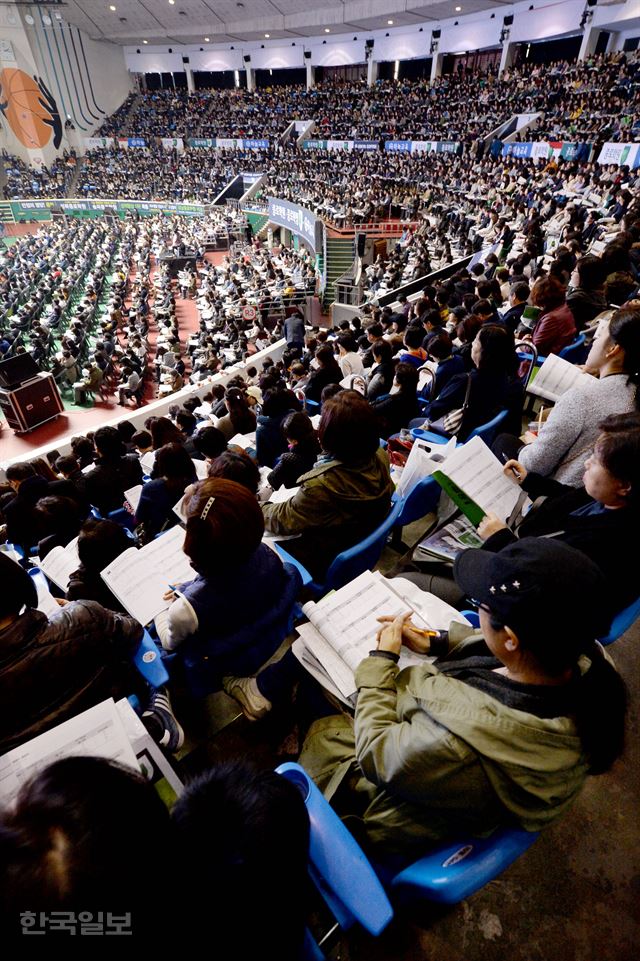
pixel 243 440
pixel 97 732
pixel 347 623
pixel 139 578
pixel 202 468
pixel 179 509
pixel 133 496
pixel 46 601
pixel 59 565
pixel 283 494
pixel 555 377
pixel 479 473
pixel 147 461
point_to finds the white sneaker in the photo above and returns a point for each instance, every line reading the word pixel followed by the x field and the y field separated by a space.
pixel 246 692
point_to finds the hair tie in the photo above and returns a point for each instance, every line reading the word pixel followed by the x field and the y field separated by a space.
pixel 207 507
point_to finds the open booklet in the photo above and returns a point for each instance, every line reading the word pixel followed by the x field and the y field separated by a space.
pixel 473 478
pixel 60 563
pixel 139 578
pixel 554 378
pixel 342 627
pixel 107 730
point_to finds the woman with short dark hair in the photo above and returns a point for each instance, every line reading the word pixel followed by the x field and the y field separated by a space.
pixel 345 496
pixel 304 448
pixel 327 372
pixel 173 470
pixel 555 328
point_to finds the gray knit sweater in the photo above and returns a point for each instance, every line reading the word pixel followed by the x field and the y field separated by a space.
pixel 567 438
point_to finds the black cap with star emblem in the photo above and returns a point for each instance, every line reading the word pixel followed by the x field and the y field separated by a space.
pixel 537 582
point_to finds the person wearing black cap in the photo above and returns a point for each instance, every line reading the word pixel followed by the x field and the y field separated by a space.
pixel 504 726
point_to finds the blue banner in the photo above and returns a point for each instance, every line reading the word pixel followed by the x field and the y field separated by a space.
pixel 297 219
pixel 136 142
pixel 398 146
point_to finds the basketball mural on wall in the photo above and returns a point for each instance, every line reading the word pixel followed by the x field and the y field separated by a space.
pixel 29 108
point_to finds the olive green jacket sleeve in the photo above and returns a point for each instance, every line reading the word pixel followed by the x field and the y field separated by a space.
pixel 411 757
pixel 311 506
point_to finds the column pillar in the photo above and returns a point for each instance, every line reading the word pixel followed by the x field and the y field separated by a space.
pixel 251 79
pixel 589 41
pixel 191 87
pixel 311 74
pixel 506 57
pixel 436 66
pixel 372 71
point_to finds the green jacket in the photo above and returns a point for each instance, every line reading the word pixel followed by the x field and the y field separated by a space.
pixel 431 757
pixel 336 507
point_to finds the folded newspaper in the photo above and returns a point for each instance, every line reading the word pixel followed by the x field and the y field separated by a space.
pixel 447 542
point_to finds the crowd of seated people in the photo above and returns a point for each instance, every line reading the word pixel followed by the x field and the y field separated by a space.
pixel 153 173
pixel 342 490
pixel 41 181
pixel 506 724
pixel 593 100
pixel 69 298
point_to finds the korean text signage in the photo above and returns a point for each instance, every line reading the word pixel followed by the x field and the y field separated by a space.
pixel 297 219
pixel 546 149
pixel 621 154
pixel 228 143
pixel 41 209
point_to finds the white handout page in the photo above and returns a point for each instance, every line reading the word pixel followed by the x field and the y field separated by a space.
pixel 479 473
pixel 132 496
pixel 97 732
pixel 347 622
pixel 139 578
pixel 59 564
pixel 344 625
pixel 47 603
pixel 555 377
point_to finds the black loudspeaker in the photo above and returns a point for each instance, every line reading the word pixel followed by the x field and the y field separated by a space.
pixel 247 58
pixel 361 242
pixel 436 34
pixel 508 20
pixel 368 44
pixel 307 55
pixel 185 60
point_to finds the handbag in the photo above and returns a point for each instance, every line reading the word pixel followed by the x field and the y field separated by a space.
pixel 449 424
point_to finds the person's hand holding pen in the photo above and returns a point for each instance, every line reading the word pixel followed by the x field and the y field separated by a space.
pixel 515 471
pixel 397 631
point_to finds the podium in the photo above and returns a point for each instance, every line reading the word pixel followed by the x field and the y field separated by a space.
pixel 32 403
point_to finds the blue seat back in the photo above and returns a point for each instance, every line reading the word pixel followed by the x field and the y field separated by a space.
pixel 622 622
pixel 453 872
pixel 243 652
pixel 337 864
pixel 122 517
pixel 421 500
pixel 575 352
pixel 148 660
pixel 365 555
pixel 489 431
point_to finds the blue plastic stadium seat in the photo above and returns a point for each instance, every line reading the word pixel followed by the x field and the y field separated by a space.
pixel 456 871
pixel 353 561
pixel 622 622
pixel 337 864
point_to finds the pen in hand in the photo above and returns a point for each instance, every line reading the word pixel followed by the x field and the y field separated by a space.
pixel 515 473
